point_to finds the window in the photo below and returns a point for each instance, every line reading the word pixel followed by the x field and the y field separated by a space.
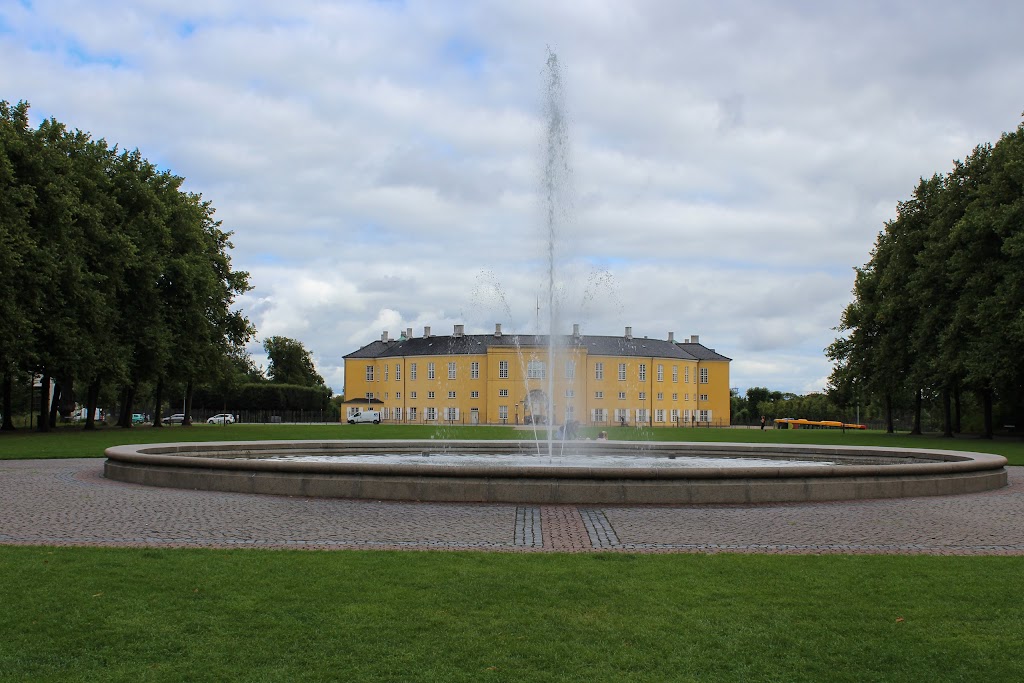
pixel 703 375
pixel 412 371
pixel 686 375
pixel 502 369
pixel 621 415
pixel 675 416
pixel 451 371
pixel 686 397
pixel 661 396
pixel 661 372
pixel 705 416
pixel 659 415
pixel 704 397
pixel 570 393
pixel 675 373
pixel 385 395
pixel 642 415
pixel 451 413
pixel 622 372
pixel 474 370
pixel 369 395
pixel 412 414
pixel 535 369
pixel 430 394
pixel 474 394
pixel 503 392
pixel 502 412
pixel 643 372
pixel 430 413
pixel 369 373
pixel 430 371
pixel 412 394
pixel 570 369
pixel 598 370
pixel 598 394
pixel 386 366
pixel 643 395
pixel 398 394
pixel 398 372
pixel 622 395
pixel 451 394
pixel 599 415
pixel 675 396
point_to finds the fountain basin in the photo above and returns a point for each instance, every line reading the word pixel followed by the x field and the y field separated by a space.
pixel 270 467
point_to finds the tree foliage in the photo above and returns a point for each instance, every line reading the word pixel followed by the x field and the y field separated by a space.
pixel 939 307
pixel 291 363
pixel 110 273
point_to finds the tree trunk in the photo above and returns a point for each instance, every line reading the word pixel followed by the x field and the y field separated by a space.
pixel 947 414
pixel 158 420
pixel 188 405
pixel 956 405
pixel 44 404
pixel 91 400
pixel 8 424
pixel 126 409
pixel 917 414
pixel 889 429
pixel 986 406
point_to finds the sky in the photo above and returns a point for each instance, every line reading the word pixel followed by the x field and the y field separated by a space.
pixel 381 164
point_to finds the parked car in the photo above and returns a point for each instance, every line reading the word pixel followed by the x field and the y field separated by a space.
pixel 221 419
pixel 364 416
pixel 138 418
pixel 176 419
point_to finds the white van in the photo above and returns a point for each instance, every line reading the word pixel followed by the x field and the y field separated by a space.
pixel 364 416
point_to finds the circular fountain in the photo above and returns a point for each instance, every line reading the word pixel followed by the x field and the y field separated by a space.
pixel 588 472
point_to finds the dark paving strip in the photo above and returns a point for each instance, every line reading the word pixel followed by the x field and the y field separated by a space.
pixel 528 528
pixel 600 530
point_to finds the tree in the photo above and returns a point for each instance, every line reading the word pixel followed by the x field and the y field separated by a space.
pixel 290 363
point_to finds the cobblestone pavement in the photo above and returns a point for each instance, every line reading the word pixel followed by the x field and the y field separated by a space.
pixel 68 502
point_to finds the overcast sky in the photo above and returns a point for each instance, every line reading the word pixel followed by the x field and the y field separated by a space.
pixel 380 163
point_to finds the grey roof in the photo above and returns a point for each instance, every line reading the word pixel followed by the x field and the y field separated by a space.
pixel 479 343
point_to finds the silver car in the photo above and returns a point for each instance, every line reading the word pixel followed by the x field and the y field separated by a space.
pixel 221 419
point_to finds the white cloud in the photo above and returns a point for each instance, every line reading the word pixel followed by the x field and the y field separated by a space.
pixel 379 163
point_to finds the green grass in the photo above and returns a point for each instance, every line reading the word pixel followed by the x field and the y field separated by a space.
pixel 169 615
pixel 73 442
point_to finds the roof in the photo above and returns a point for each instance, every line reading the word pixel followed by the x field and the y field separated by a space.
pixel 479 343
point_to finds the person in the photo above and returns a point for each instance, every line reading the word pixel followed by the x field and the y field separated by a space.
pixel 763 421
pixel 602 436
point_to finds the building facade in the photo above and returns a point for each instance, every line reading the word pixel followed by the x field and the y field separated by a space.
pixel 506 379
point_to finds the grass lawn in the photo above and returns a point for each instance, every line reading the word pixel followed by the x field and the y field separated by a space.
pixel 73 442
pixel 248 615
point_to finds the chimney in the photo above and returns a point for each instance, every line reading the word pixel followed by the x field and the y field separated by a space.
pixel 672 337
pixel 695 339
pixel 497 329
pixel 576 330
pixel 629 333
pixel 408 333
pixel 426 331
pixel 459 330
pixel 384 336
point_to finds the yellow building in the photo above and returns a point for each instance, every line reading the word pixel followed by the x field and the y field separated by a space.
pixel 505 379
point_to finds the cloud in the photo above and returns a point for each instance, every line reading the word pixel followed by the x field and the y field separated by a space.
pixel 380 163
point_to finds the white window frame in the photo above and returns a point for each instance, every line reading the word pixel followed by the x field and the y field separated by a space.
pixel 570 369
pixel 451 394
pixel 703 375
pixel 430 371
pixel 675 373
pixel 535 369
pixel 502 393
pixel 502 369
pixel 598 394
pixel 661 372
pixel 452 369
pixel 474 394
pixel 474 370
pixel 622 395
pixel 412 372
pixel 369 373
pixel 599 370
pixel 642 372
pixel 430 394
pixel 622 372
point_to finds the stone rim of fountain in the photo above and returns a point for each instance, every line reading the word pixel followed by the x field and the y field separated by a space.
pixel 237 466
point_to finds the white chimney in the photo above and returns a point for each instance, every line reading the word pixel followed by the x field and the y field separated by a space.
pixel 426 331
pixel 576 330
pixel 459 330
pixel 497 329
pixel 629 333
pixel 384 336
pixel 672 336
pixel 695 339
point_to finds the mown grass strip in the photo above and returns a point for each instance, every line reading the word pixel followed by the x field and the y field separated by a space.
pixel 169 615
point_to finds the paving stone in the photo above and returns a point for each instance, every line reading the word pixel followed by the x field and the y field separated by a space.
pixel 68 502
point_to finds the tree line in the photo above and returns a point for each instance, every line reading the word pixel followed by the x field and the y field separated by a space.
pixel 937 317
pixel 111 275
